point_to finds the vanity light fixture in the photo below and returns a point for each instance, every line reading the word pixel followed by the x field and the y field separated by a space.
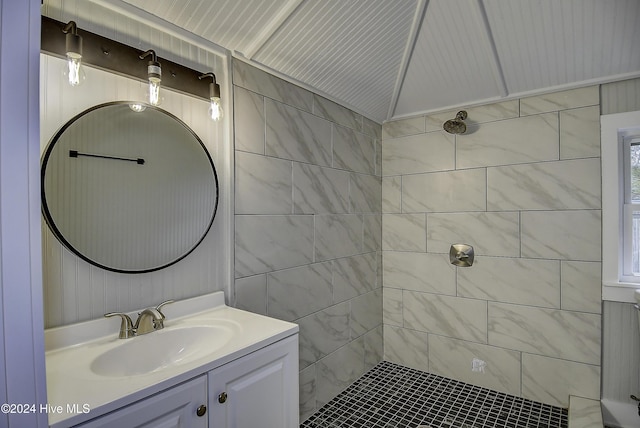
pixel 73 42
pixel 215 107
pixel 68 41
pixel 154 76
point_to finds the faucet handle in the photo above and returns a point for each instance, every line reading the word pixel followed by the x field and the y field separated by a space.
pixel 163 304
pixel 126 326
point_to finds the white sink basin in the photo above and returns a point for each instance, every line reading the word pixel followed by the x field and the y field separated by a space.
pixel 161 349
pixel 88 364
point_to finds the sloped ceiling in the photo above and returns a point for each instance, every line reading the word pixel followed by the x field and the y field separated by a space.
pixel 389 59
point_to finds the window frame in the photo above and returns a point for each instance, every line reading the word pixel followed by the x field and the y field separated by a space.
pixel 614 128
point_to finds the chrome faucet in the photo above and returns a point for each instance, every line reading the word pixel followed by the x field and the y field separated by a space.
pixel 149 320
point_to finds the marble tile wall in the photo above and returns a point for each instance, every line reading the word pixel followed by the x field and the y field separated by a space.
pixel 523 187
pixel 308 226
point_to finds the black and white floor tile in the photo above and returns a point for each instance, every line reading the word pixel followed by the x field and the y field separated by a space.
pixel 393 396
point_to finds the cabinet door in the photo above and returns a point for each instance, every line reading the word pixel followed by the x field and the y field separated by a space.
pixel 174 408
pixel 259 390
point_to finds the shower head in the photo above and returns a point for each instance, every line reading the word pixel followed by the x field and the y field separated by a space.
pixel 457 125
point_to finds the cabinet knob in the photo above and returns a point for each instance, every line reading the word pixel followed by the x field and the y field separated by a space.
pixel 222 397
pixel 201 410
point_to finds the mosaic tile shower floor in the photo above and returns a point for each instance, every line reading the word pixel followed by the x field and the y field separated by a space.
pixel 393 396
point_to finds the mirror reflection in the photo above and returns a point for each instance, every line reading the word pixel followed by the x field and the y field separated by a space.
pixel 129 190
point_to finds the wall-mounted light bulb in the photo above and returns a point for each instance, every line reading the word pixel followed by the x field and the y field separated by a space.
pixel 215 107
pixel 154 76
pixel 154 91
pixel 74 72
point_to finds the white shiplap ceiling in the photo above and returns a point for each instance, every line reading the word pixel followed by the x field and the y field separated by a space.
pixel 389 59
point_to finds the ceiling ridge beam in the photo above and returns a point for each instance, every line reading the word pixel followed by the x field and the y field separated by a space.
pixel 418 19
pixel 269 30
pixel 496 66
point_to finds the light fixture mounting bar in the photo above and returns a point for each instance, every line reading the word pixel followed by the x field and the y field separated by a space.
pixel 109 55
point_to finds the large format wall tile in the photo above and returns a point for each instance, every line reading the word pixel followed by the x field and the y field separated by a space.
pixel 353 276
pixel 309 226
pixel 263 185
pixel 490 233
pixel 338 235
pixel 323 332
pixel 268 243
pixel 258 81
pixel 353 151
pixel 365 193
pixel 430 152
pixel 372 239
pixel 391 194
pixel 581 286
pixel 372 128
pixel 366 312
pixel 249 121
pixel 296 135
pixel 556 101
pixel 308 388
pixel 512 280
pixel 297 292
pixel 522 140
pixel 571 184
pixel 373 347
pixel 319 190
pixel 251 294
pixel 551 380
pixel 585 412
pixel 550 332
pixel 407 347
pixel 445 191
pixel 453 359
pixel 403 127
pixel 567 235
pixel 335 113
pixel 580 133
pixel 479 114
pixel 404 232
pixel 339 370
pixel 524 191
pixel 445 315
pixel 419 271
pixel 392 306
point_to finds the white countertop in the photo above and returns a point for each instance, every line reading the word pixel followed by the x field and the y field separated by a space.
pixel 70 350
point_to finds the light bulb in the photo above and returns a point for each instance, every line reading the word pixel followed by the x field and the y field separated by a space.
pixel 215 109
pixel 74 71
pixel 154 92
pixel 154 76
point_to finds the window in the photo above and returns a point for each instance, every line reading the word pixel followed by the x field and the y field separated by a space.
pixel 620 205
pixel 631 207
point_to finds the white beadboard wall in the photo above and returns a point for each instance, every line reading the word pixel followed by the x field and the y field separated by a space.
pixel 620 333
pixel 74 290
pixel 620 352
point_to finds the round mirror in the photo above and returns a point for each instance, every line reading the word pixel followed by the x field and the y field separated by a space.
pixel 128 190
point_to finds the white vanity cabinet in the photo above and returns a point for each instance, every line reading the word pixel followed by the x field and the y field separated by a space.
pixel 259 390
pixel 174 408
